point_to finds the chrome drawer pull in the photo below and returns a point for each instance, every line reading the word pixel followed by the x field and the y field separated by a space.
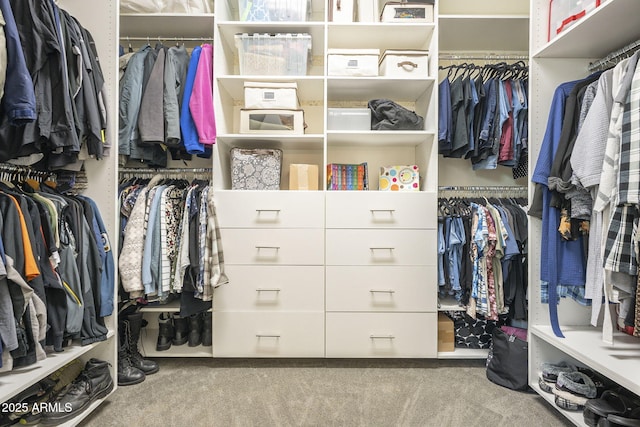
pixel 267 290
pixel 381 337
pixel 382 248
pixel 382 291
pixel 275 248
pixel 268 336
pixel 268 210
pixel 382 210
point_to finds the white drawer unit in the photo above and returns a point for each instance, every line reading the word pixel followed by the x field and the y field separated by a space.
pixel 393 289
pixel 273 334
pixel 273 246
pixel 271 288
pixel 381 335
pixel 381 247
pixel 352 209
pixel 269 209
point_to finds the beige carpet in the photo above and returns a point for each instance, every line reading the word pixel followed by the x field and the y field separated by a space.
pixel 301 392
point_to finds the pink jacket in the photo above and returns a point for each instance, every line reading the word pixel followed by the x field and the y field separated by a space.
pixel 201 102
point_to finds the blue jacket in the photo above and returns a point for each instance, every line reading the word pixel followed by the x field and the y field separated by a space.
pixel 187 125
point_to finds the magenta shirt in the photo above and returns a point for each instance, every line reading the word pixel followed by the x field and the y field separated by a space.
pixel 201 102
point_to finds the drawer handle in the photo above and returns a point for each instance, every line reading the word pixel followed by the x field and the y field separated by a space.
pixel 381 337
pixel 382 291
pixel 276 336
pixel 373 211
pixel 267 290
pixel 382 248
pixel 268 210
pixel 275 248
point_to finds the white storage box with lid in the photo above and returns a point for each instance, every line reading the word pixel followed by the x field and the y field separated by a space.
pixel 353 62
pixel 395 11
pixel 405 63
pixel 272 121
pixel 273 54
pixel 564 13
pixel 271 95
pixel 349 119
pixel 342 10
pixel 274 10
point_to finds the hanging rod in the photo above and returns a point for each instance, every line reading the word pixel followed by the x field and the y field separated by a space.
pixel 514 188
pixel 160 38
pixel 488 57
pixel 171 171
pixel 614 57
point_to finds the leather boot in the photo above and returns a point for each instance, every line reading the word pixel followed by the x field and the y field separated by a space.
pixel 135 325
pixel 128 374
pixel 181 327
pixel 195 330
pixel 165 332
pixel 207 329
pixel 93 383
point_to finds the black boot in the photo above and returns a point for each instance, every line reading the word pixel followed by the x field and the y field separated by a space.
pixel 165 332
pixel 93 383
pixel 207 329
pixel 181 326
pixel 195 330
pixel 145 365
pixel 128 374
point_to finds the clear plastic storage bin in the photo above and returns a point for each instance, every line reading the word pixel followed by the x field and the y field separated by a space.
pixel 274 10
pixel 273 54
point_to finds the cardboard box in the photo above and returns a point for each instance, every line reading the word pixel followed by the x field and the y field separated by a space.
pixel 399 178
pixel 303 177
pixel 353 62
pixel 405 63
pixel 446 340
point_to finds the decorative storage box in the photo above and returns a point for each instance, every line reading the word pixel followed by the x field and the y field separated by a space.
pixel 401 12
pixel 342 10
pixel 349 119
pixel 564 13
pixel 272 121
pixel 303 177
pixel 353 62
pixel 255 169
pixel 271 95
pixel 273 54
pixel 405 63
pixel 399 178
pixel 274 10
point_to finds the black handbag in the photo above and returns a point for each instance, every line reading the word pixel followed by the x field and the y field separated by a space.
pixel 388 115
pixel 507 361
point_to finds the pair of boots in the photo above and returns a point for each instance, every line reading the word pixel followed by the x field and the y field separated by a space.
pixel 176 330
pixel 132 367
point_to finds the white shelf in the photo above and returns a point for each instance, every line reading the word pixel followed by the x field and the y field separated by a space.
pixel 454 31
pixel 149 339
pixel 449 304
pixel 15 381
pixel 88 410
pixel 166 25
pixel 378 138
pixel 582 40
pixel 575 417
pixel 464 353
pixel 291 142
pixel 380 35
pixel 365 88
pixel 618 362
pixel 310 88
pixel 173 307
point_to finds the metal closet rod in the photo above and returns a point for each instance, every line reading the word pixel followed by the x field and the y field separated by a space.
pixel 614 57
pixel 160 38
pixel 170 171
pixel 485 57
pixel 483 188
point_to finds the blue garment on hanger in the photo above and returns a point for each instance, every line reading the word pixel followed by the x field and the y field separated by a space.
pixel 188 129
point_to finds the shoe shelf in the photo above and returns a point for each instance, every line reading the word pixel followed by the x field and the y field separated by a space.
pixel 85 413
pixel 19 379
pixel 618 362
pixel 464 353
pixel 575 417
pixel 149 338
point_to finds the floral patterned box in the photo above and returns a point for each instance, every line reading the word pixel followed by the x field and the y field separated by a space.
pixel 255 169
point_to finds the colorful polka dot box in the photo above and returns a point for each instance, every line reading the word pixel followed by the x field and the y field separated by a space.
pixel 399 178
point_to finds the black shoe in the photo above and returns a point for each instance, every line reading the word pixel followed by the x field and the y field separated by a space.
pixel 195 330
pixel 165 332
pixel 93 383
pixel 134 326
pixel 181 330
pixel 207 329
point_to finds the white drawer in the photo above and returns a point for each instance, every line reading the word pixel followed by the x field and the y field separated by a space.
pixel 381 335
pixel 293 209
pixel 271 288
pixel 381 247
pixel 283 246
pixel 378 209
pixel 274 334
pixel 381 288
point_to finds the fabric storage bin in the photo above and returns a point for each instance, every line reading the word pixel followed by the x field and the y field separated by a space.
pixel 272 121
pixel 402 12
pixel 349 119
pixel 255 169
pixel 353 62
pixel 274 10
pixel 399 178
pixel 271 95
pixel 303 177
pixel 473 333
pixel 342 10
pixel 367 11
pixel 405 63
pixel 273 54
pixel 564 13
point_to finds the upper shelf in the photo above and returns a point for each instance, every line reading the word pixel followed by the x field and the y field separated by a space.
pixel 166 25
pixel 380 35
pixel 484 7
pixel 359 88
pixel 455 31
pixel 591 36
